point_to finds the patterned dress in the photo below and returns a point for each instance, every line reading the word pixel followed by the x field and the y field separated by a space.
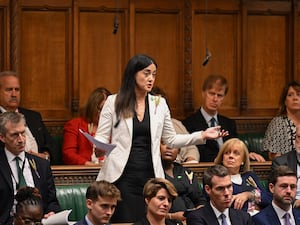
pixel 280 135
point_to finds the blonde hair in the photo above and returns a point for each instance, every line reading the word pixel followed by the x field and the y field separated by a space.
pixel 228 145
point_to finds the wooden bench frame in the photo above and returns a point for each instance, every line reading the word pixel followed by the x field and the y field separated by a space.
pixel 74 174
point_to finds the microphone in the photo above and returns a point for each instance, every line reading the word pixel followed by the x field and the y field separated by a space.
pixel 207 56
pixel 116 25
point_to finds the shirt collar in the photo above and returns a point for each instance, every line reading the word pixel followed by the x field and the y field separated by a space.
pixel 11 157
pixel 218 213
pixel 4 110
pixel 208 117
pixel 280 212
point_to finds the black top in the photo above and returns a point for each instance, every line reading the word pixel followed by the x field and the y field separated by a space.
pixel 145 221
pixel 140 159
pixel 187 186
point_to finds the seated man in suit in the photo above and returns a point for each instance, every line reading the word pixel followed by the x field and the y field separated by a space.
pixel 214 90
pixel 18 168
pixel 218 186
pixel 283 185
pixel 101 201
pixel 292 160
pixel 39 141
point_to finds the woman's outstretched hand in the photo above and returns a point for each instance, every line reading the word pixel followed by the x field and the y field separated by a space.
pixel 214 133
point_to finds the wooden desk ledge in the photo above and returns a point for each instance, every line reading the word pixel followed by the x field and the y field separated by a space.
pixel 74 174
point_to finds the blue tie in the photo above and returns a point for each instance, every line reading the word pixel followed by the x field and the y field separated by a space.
pixel 212 122
pixel 287 219
pixel 223 218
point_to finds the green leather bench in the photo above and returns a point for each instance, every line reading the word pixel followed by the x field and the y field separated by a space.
pixel 73 197
pixel 254 143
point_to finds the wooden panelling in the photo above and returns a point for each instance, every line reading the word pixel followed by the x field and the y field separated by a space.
pixel 63 49
pixel 219 32
pixel 159 33
pixel 296 50
pixel 2 38
pixel 4 34
pixel 45 70
pixel 101 59
pixel 268 61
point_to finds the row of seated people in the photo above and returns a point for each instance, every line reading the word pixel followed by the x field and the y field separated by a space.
pixel 279 137
pixel 133 101
pixel 248 194
pixel 160 197
pixel 233 153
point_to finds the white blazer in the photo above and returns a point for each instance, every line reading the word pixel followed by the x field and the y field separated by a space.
pixel 161 128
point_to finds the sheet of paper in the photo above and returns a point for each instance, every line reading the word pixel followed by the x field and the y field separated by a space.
pixel 106 147
pixel 61 218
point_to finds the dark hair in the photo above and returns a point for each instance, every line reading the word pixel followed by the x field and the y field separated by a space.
pixel 153 185
pixel 282 107
pixel 281 171
pixel 216 170
pixel 125 101
pixel 219 80
pixel 10 116
pixel 91 107
pixel 103 189
pixel 28 196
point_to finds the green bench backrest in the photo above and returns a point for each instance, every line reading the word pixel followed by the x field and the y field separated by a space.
pixel 73 197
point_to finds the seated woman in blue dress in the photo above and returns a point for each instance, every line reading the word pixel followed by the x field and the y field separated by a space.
pixel 248 192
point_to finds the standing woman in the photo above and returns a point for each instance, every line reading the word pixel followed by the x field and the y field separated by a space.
pixel 136 122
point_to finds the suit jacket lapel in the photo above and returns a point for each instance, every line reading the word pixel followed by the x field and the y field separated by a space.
pixel 272 214
pixel 292 158
pixel 233 219
pixel 34 170
pixel 153 114
pixel 4 168
pixel 211 216
pixel 129 123
pixel 201 120
pixel 296 214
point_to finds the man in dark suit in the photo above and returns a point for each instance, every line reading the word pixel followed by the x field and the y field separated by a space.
pixel 39 141
pixel 283 185
pixel 35 170
pixel 292 160
pixel 218 186
pixel 214 90
pixel 101 201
